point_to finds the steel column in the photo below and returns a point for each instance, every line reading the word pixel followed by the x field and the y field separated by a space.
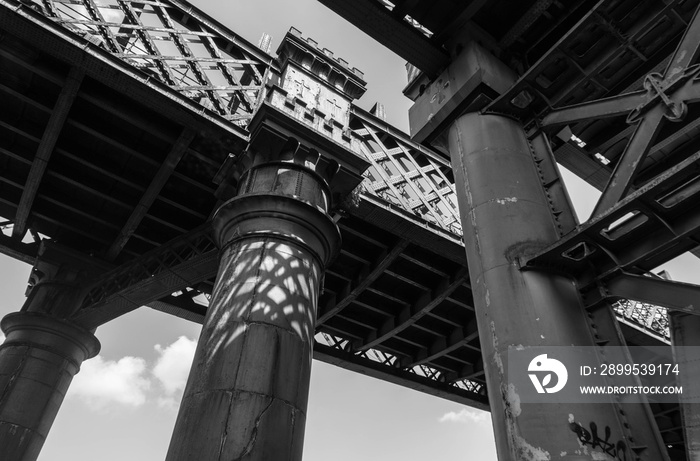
pixel 685 339
pixel 247 393
pixel 505 216
pixel 37 363
pixel 43 350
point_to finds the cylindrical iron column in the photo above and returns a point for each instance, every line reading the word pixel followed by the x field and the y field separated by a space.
pixel 38 360
pixel 247 393
pixel 506 216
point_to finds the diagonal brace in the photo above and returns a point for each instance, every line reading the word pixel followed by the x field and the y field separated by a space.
pixel 677 296
pixel 53 129
pixel 601 108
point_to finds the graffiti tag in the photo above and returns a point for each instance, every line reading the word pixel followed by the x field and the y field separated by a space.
pixel 617 450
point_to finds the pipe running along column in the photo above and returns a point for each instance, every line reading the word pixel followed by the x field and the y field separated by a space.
pixel 247 392
pixel 505 216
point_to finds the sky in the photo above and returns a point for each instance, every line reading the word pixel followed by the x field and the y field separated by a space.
pixel 123 403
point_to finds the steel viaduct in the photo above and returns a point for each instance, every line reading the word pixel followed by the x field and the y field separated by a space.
pixel 149 156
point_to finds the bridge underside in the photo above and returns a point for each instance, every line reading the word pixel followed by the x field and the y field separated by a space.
pixel 133 180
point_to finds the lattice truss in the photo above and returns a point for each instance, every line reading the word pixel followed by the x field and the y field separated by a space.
pixel 161 260
pixel 175 46
pixel 392 361
pixel 197 58
pixel 652 319
pixel 407 174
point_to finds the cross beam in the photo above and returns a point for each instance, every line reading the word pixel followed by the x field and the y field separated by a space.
pixel 411 314
pixel 378 22
pixel 677 296
pixel 353 290
pixel 665 96
pixel 649 227
pixel 58 118
pixel 177 151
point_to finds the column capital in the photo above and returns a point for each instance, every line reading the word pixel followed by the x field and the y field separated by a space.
pixel 59 336
pixel 60 279
pixel 288 198
pixel 281 217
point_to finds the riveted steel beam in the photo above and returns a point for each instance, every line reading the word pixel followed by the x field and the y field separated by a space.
pixel 443 345
pixel 375 20
pixel 678 296
pixel 627 237
pixel 353 289
pixel 411 314
pixel 601 108
pixel 391 372
pixel 631 160
pixel 58 118
pixel 181 263
pixel 177 151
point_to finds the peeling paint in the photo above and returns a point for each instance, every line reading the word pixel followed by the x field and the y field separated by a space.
pixel 528 452
pixel 497 360
pixel 681 56
pixel 571 418
pixel 542 336
pixel 519 347
pixel 503 201
pixel 488 298
pixel 496 356
pixel 513 400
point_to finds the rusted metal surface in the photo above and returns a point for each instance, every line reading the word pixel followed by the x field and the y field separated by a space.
pixel 412 323
pixel 462 87
pixel 43 350
pixel 675 296
pixel 628 231
pixel 248 388
pixel 37 361
pixel 665 99
pixel 506 216
pixel 405 37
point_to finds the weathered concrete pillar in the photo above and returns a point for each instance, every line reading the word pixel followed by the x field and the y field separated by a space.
pixel 37 363
pixel 247 392
pixel 43 350
pixel 685 337
pixel 506 216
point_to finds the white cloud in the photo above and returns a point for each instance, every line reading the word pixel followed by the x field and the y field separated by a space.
pixel 466 416
pixel 131 381
pixel 172 368
pixel 101 382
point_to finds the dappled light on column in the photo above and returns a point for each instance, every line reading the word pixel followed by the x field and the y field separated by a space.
pixel 247 393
